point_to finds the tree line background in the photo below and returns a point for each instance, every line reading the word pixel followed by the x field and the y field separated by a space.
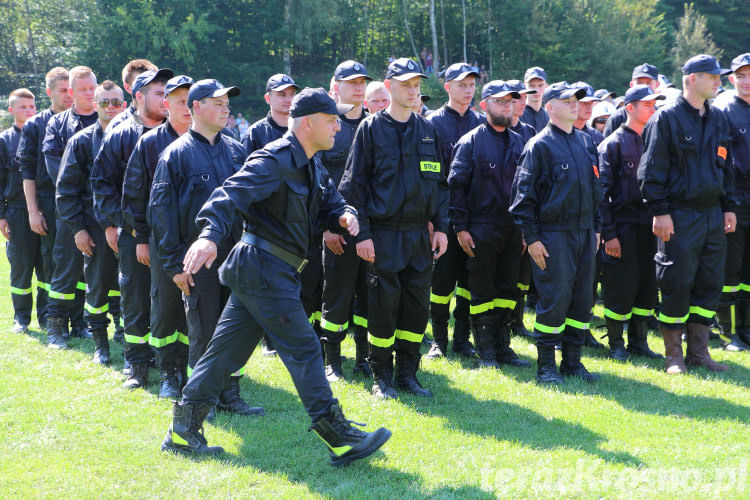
pixel 242 42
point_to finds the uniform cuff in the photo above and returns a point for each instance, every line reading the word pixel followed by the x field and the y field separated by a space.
pixel 211 234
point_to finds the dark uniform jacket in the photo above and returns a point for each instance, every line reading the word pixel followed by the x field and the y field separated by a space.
pixel 334 159
pixel 280 195
pixel 537 119
pixel 525 130
pixel 615 120
pixel 29 156
pixel 686 162
pixel 450 127
pixel 60 129
pixel 139 174
pixel 737 112
pixel 619 156
pixel 394 176
pixel 481 176
pixel 75 201
pixel 261 133
pixel 109 171
pixel 557 185
pixel 11 184
pixel 596 136
pixel 189 169
pixel 122 117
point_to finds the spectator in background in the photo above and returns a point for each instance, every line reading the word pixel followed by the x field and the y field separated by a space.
pixel 242 124
pixel 428 63
pixel 232 129
pixel 377 97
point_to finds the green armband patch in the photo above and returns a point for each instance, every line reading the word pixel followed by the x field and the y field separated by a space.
pixel 429 166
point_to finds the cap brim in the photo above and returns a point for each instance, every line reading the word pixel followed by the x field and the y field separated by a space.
pixel 567 94
pixel 163 73
pixel 589 99
pixel 408 76
pixel 356 75
pixel 463 75
pixel 185 85
pixel 527 91
pixel 504 93
pixel 643 75
pixel 285 86
pixel 342 109
pixel 533 77
pixel 737 68
pixel 227 91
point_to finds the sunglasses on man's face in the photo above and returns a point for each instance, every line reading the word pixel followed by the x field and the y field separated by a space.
pixel 105 103
pixel 601 121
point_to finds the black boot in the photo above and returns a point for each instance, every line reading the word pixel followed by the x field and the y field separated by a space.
pixel 439 340
pixel 231 401
pixel 346 443
pixel 461 343
pixel 638 339
pixel 119 335
pixel 546 369
pixel 332 351
pixel 617 349
pixel 170 381
pixel 406 374
pixel 138 377
pixel 516 323
pixel 590 341
pixel 267 347
pixel 362 347
pixel 504 354
pixel 571 365
pixel 55 328
pixel 741 327
pixel 101 346
pixel 382 371
pixel 20 327
pixel 81 332
pixel 186 432
pixel 484 339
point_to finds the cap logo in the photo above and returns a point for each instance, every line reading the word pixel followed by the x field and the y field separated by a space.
pixel 410 65
pixel 285 79
pixel 357 67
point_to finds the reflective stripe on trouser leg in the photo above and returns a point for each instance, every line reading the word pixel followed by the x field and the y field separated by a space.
pixel 23 252
pixel 100 272
pixel 343 278
pixel 135 285
pixel 169 336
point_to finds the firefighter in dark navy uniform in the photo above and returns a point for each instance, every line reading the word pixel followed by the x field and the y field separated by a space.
pixel 281 193
pixel 534 114
pixel 395 180
pixel 480 180
pixel 686 177
pixel 556 204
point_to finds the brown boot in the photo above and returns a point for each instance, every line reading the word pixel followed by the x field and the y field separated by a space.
pixel 697 348
pixel 674 364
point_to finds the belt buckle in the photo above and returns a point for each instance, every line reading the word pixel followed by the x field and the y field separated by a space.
pixel 302 266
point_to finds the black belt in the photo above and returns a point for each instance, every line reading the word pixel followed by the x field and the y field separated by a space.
pixel 275 250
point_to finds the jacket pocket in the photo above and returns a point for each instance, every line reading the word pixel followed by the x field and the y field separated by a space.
pixel 296 206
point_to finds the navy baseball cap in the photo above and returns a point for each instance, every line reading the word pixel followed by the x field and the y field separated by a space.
pixel 518 86
pixel 562 90
pixel 499 88
pixel 349 70
pixel 149 76
pixel 604 94
pixel 310 101
pixel 642 93
pixel 645 70
pixel 740 61
pixel 589 97
pixel 459 71
pixel 403 69
pixel 178 82
pixel 535 72
pixel 279 82
pixel 704 63
pixel 210 88
pixel 665 82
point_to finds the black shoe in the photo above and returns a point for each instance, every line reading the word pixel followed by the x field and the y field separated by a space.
pixel 546 371
pixel 170 382
pixel 55 330
pixel 383 389
pixel 101 346
pixel 617 349
pixel 439 340
pixel 185 435
pixel 19 327
pixel 504 354
pixel 65 331
pixel 119 335
pixel 736 344
pixel 638 339
pixel 436 351
pixel 484 339
pixel 461 343
pixel 590 341
pixel 125 365
pixel 267 347
pixel 517 327
pixel 138 376
pixel 332 353
pixel 362 351
pixel 619 353
pixel 346 443
pixel 231 401
pixel 406 375
pixel 80 332
pixel 571 365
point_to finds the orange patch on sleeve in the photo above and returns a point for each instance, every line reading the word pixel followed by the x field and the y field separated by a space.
pixel 722 151
pixel 596 170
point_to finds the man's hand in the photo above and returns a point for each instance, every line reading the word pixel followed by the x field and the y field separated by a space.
pixel 730 222
pixel 84 243
pixel 183 281
pixel 334 242
pixel 142 254
pixel 5 228
pixel 612 248
pixel 663 227
pixel 111 234
pixel 439 243
pixel 598 241
pixel 466 242
pixel 366 250
pixel 202 251
pixel 430 228
pixel 37 223
pixel 349 222
pixel 538 253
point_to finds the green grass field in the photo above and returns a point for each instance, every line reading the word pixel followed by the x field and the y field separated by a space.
pixel 69 430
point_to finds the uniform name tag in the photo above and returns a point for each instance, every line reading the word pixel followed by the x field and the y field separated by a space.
pixel 722 151
pixel 429 166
